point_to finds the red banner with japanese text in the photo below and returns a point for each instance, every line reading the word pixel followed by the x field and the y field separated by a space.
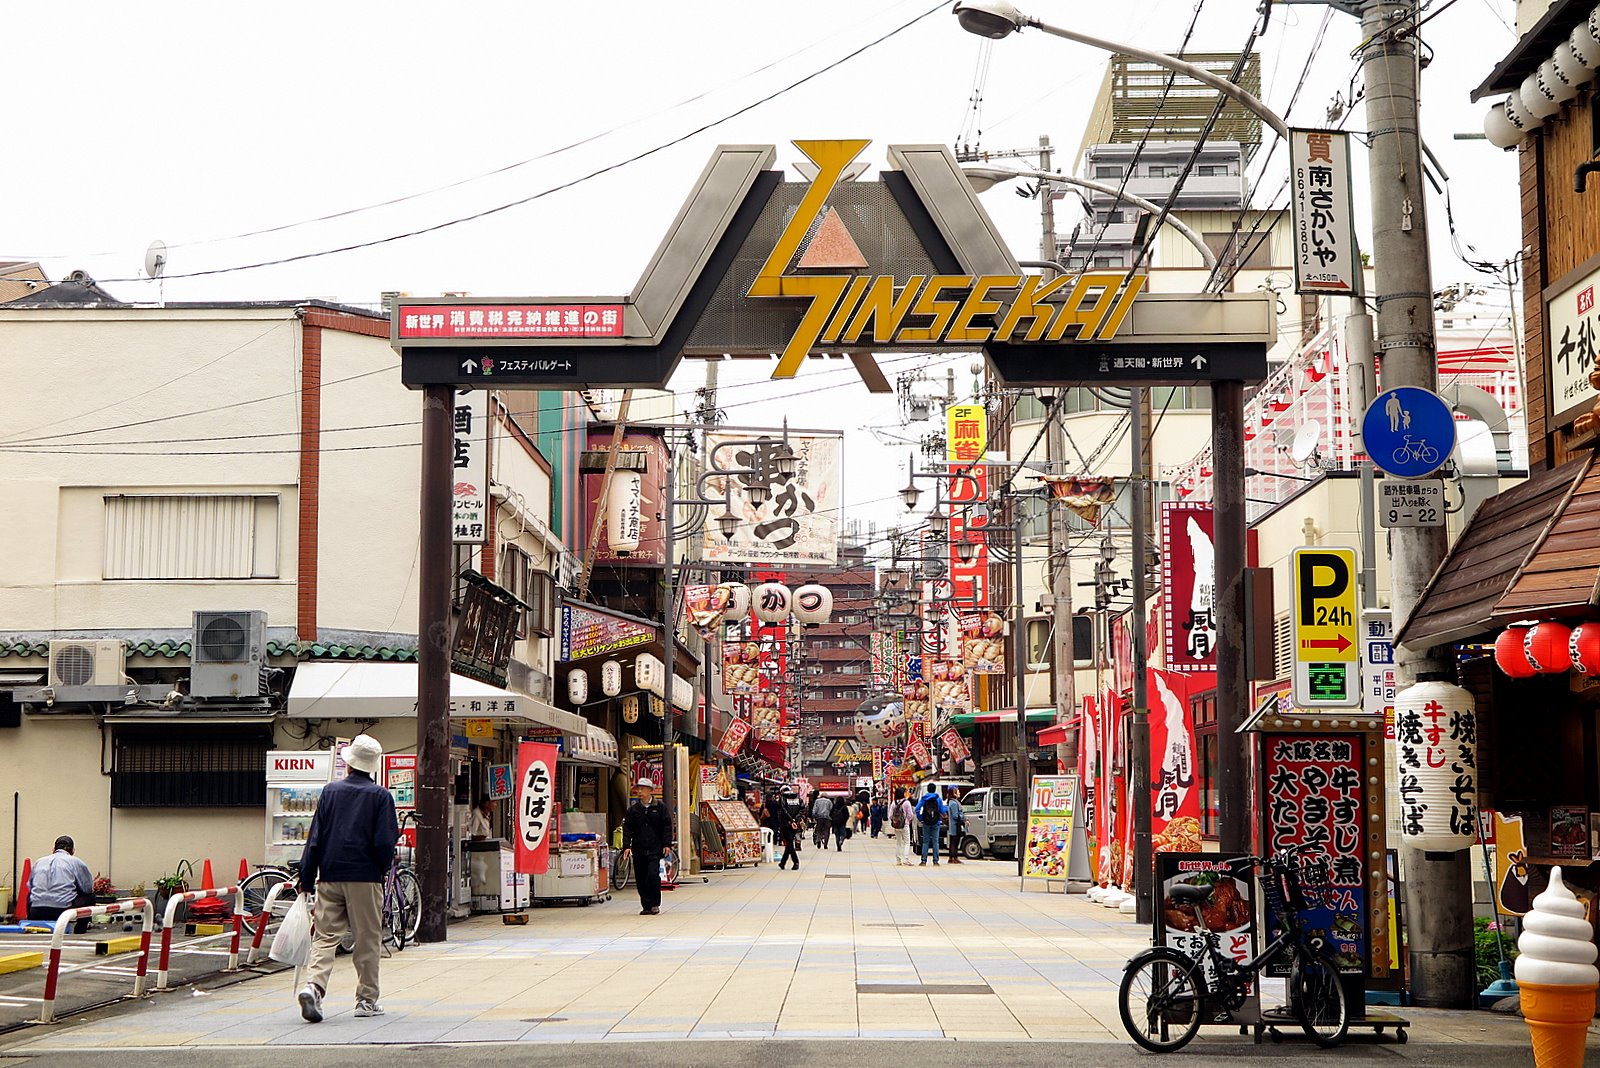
pixel 770 713
pixel 954 744
pixel 734 737
pixel 536 806
pixel 1089 775
pixel 1174 785
pixel 968 488
pixel 1106 818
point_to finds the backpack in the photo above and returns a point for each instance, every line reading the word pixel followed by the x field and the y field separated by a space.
pixel 928 811
pixel 897 816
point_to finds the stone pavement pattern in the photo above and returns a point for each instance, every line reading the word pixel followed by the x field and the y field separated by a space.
pixel 756 954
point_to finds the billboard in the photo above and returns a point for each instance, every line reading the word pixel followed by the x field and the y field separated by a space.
pixel 798 523
pixel 1188 588
pixel 652 492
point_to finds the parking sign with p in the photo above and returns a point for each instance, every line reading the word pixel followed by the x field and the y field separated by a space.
pixel 1326 619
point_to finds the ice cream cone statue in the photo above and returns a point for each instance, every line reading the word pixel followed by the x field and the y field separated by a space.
pixel 1556 975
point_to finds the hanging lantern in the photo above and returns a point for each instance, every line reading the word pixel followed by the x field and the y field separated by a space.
pixel 772 602
pixel 611 678
pixel 1583 645
pixel 630 708
pixel 813 604
pixel 1510 656
pixel 648 674
pixel 1436 747
pixel 738 599
pixel 577 686
pixel 1545 645
pixel 624 512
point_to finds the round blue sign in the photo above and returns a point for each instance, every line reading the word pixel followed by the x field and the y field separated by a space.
pixel 1408 432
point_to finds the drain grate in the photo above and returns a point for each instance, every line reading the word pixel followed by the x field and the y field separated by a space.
pixel 545 1019
pixel 836 876
pixel 923 988
pixel 892 925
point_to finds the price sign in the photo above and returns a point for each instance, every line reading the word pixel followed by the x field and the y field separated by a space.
pixel 1411 504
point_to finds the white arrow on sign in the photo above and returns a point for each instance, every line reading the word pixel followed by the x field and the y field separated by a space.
pixel 468 367
pixel 1199 362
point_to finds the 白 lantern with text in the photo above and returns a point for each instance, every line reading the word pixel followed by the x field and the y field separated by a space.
pixel 1583 645
pixel 611 678
pixel 577 686
pixel 648 674
pixel 1546 647
pixel 1436 745
pixel 1510 656
pixel 813 604
pixel 738 599
pixel 772 602
pixel 624 512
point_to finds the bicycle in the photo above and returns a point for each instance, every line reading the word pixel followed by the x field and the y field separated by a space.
pixel 1420 451
pixel 1165 995
pixel 622 868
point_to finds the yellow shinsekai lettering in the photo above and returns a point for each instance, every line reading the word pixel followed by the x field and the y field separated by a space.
pixel 886 309
pixel 1103 287
pixel 824 291
pixel 841 315
pixel 941 311
pixel 1130 292
pixel 1030 304
pixel 978 303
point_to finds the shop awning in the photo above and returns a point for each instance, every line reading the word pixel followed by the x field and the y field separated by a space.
pixel 1056 735
pixel 1035 715
pixel 389 691
pixel 1528 552
pixel 595 746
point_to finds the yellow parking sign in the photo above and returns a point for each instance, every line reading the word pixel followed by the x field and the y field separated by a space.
pixel 1326 618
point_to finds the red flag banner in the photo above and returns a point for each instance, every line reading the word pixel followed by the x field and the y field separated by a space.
pixel 734 737
pixel 536 806
pixel 1088 774
pixel 1174 785
pixel 918 751
pixel 1111 735
pixel 954 745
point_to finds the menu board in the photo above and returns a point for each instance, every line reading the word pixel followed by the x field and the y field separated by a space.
pixel 1229 912
pixel 740 830
pixel 1050 812
pixel 1313 797
pixel 1569 832
pixel 586 632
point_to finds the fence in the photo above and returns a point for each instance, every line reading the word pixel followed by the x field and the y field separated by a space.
pixel 147 913
pixel 169 920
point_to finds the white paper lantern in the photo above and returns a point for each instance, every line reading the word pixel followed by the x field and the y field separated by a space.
pixel 813 603
pixel 611 678
pixel 624 512
pixel 1498 129
pixel 647 673
pixel 772 602
pixel 1553 82
pixel 1570 67
pixel 577 686
pixel 1518 114
pixel 1585 48
pixel 1436 752
pixel 1537 98
pixel 682 693
pixel 739 599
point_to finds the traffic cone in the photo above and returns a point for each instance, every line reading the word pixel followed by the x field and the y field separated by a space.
pixel 244 869
pixel 22 891
pixel 205 877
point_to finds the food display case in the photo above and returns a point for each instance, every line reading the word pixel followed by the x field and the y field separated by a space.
pixel 295 779
pixel 741 834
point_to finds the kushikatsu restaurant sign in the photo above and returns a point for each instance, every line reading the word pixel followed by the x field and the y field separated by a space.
pixel 846 267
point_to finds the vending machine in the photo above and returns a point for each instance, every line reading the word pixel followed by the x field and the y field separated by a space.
pixel 295 779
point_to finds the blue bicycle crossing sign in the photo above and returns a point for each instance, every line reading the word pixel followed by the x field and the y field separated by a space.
pixel 1408 432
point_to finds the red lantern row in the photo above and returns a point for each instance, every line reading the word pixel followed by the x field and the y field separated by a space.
pixel 1548 649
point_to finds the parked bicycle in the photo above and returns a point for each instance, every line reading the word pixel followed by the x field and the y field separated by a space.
pixel 622 868
pixel 1166 995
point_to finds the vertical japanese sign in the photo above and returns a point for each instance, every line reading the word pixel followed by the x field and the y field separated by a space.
pixel 769 712
pixel 1314 798
pixel 652 485
pixel 1229 912
pixel 1377 664
pixel 1325 618
pixel 499 782
pixel 400 778
pixel 734 737
pixel 954 744
pixel 1052 801
pixel 1174 787
pixel 1188 587
pixel 536 802
pixel 966 432
pixel 741 666
pixel 1573 351
pixel 969 518
pixel 1324 230
pixel 469 514
pixel 799 522
pixel 1089 775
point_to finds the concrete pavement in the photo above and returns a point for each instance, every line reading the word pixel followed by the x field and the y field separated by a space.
pixel 851 946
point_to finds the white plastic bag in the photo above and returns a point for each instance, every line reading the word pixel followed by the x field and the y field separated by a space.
pixel 292 943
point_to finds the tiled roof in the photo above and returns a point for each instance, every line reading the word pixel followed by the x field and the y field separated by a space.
pixel 298 650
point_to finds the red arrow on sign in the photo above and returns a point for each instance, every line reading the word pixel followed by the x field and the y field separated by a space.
pixel 1339 644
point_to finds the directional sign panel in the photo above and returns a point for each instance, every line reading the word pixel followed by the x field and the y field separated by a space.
pixel 1408 432
pixel 1326 618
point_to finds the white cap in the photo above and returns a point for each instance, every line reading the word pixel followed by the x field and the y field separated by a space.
pixel 645 782
pixel 363 754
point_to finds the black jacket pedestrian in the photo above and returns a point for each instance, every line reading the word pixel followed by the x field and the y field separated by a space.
pixel 841 813
pixel 353 834
pixel 647 831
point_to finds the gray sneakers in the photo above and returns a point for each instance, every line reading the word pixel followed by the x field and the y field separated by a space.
pixel 311 1003
pixel 367 1007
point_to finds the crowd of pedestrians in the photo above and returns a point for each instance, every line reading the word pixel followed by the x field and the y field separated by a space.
pixel 922 822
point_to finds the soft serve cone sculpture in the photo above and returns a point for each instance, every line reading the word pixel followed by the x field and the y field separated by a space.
pixel 1556 975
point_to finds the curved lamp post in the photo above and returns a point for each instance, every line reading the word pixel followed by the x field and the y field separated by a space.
pixel 999 18
pixel 982 178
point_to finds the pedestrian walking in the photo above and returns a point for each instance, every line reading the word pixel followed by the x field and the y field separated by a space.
pixel 840 815
pixel 348 852
pixel 787 831
pixel 647 835
pixel 821 820
pixel 903 821
pixel 60 882
pixel 878 814
pixel 930 815
pixel 955 824
pixel 861 817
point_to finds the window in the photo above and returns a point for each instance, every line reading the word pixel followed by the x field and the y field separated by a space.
pixel 517 573
pixel 186 767
pixel 1104 217
pixel 1213 170
pixel 1041 650
pixel 1104 171
pixel 1282 646
pixel 1107 261
pixel 191 536
pixel 1082 640
pixel 1159 171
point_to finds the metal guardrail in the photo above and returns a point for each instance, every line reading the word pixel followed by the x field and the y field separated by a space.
pixel 277 891
pixel 147 913
pixel 167 921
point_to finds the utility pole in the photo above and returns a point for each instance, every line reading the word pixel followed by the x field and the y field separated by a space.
pixel 1438 885
pixel 1139 731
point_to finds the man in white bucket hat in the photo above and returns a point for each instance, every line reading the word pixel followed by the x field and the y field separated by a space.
pixel 347 855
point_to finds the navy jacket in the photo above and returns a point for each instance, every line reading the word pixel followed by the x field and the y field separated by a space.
pixel 647 831
pixel 353 834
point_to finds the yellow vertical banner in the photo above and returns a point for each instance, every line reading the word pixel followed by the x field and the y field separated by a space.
pixel 966 432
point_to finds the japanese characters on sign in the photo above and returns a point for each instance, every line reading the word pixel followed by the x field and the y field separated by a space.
pixel 400 779
pixel 1436 754
pixel 966 433
pixel 510 320
pixel 499 781
pixel 769 706
pixel 1188 587
pixel 741 670
pixel 799 521
pixel 469 514
pixel 1229 912
pixel 1377 663
pixel 1325 620
pixel 969 517
pixel 486 632
pixel 1174 787
pixel 1051 804
pixel 954 744
pixel 1325 259
pixel 536 800
pixel 632 512
pixel 587 632
pixel 1572 337
pixel 983 648
pixel 734 737
pixel 1313 797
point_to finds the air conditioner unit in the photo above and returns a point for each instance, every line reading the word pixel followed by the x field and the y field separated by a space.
pixel 87 663
pixel 230 649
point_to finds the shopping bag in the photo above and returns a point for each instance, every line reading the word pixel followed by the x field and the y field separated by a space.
pixel 292 943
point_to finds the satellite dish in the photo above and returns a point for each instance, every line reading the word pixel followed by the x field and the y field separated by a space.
pixel 1305 441
pixel 155 259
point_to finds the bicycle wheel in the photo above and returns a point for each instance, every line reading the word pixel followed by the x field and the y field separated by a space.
pixel 256 887
pixel 622 872
pixel 395 920
pixel 1428 454
pixel 411 894
pixel 1319 1001
pixel 1160 1000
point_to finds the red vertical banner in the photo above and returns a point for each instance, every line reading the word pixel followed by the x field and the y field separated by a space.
pixel 1188 587
pixel 1088 774
pixel 1174 784
pixel 970 578
pixel 1110 738
pixel 772 639
pixel 536 806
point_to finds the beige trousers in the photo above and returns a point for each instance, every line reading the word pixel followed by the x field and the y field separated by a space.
pixel 353 906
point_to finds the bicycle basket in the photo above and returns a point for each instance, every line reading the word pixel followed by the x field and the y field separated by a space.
pixel 1312 886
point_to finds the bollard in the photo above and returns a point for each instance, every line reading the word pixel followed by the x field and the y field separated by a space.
pixel 147 916
pixel 277 891
pixel 169 921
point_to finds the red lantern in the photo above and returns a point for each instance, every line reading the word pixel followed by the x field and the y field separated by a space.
pixel 1584 648
pixel 1546 647
pixel 1510 655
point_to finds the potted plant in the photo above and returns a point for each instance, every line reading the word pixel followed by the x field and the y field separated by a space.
pixel 104 892
pixel 174 883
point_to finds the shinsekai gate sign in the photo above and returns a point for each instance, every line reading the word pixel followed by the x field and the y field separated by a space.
pixel 754 265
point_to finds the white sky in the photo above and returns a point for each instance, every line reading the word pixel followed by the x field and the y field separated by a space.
pixel 192 122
